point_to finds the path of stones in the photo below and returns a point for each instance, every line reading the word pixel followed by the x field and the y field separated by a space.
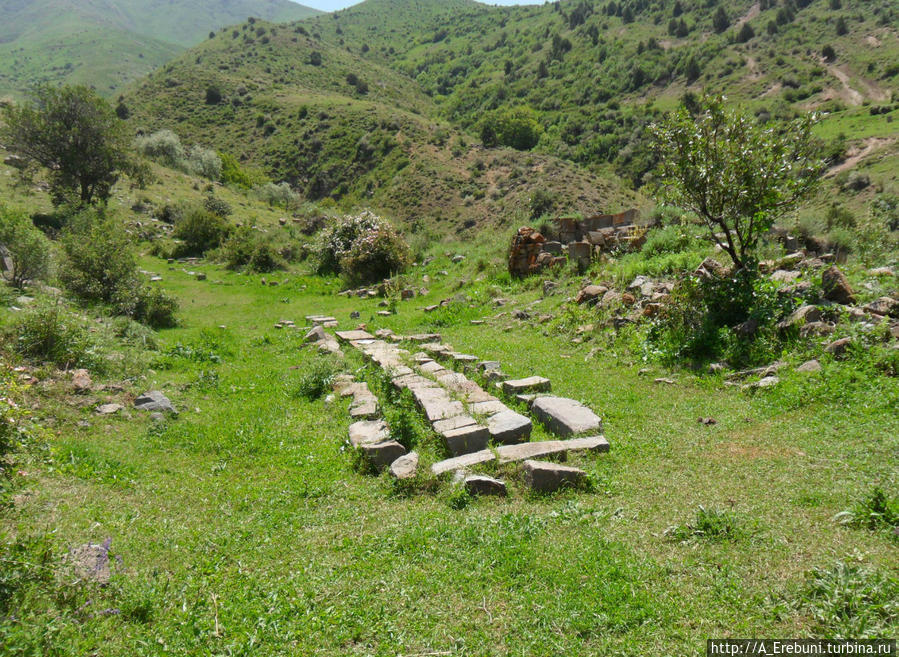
pixel 466 416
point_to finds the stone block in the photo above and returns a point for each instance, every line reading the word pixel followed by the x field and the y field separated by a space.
pixel 530 384
pixel 466 440
pixel 565 417
pixel 509 427
pixel 481 485
pixel 548 477
pixel 381 455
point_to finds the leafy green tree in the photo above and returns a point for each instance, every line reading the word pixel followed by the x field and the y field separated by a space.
pixel 735 174
pixel 28 249
pixel 720 21
pixel 516 127
pixel 76 135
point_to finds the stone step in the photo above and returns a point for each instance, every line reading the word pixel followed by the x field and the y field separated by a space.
pixel 368 432
pixel 353 336
pixel 549 477
pixel 464 440
pixel 381 455
pixel 522 386
pixel 565 417
pixel 521 452
pixel 481 485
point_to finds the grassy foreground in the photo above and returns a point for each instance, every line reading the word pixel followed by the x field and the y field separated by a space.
pixel 243 528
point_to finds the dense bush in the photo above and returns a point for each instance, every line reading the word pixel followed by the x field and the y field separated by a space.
pixel 165 147
pixel 235 174
pixel 363 248
pixel 247 247
pixel 280 195
pixel 28 249
pixel 200 231
pixel 50 333
pixel 516 127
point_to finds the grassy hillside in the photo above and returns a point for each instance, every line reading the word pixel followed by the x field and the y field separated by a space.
pixel 288 104
pixel 108 43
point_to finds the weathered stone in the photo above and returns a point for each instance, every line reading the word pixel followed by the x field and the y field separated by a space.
pixel 353 336
pixel 432 367
pixel 813 329
pixel 530 384
pixel 466 440
pixel 109 409
pixel 790 261
pixel 881 271
pixel 838 348
pixel 565 417
pixel 367 410
pixel 544 448
pixel 766 382
pixel 489 407
pixel 610 298
pixel 440 409
pixel 802 315
pixel 709 268
pixel 451 423
pixel 590 294
pixel 405 467
pixel 458 258
pixel 548 477
pixel 884 306
pixel 154 400
pixel 368 432
pixel 81 381
pixel 509 427
pixel 381 455
pixel 481 485
pixel 836 286
pixel 809 366
pixel 317 334
pixel 90 562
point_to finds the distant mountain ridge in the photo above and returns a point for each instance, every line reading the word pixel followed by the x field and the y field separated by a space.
pixel 108 43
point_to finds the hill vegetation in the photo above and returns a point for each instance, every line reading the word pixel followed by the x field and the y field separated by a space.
pixel 109 43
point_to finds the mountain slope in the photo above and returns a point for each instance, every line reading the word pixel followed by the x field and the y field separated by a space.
pixel 108 43
pixel 338 126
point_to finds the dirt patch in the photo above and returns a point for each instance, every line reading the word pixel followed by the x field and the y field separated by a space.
pixel 753 66
pixel 754 11
pixel 857 153
pixel 772 90
pixel 851 84
pixel 872 41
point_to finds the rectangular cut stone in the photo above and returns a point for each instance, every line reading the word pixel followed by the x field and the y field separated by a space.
pixel 543 448
pixel 530 384
pixel 548 477
pixel 465 358
pixel 488 407
pixel 465 440
pixel 435 348
pixel 479 395
pixel 464 461
pixel 352 336
pixel 381 455
pixel 367 411
pixel 432 367
pixel 368 432
pixel 509 427
pixel 413 381
pixel 565 417
pixel 440 409
pixel 451 423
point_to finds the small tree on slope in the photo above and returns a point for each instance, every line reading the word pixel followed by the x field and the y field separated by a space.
pixel 735 174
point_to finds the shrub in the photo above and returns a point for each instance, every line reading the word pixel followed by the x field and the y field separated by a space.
pixel 163 146
pixel 50 333
pixel 28 249
pixel 828 53
pixel 277 194
pixel 235 174
pixel 711 524
pixel 247 247
pixel 154 308
pixel 213 95
pixel 670 239
pixel 200 231
pixel 317 377
pixel 874 512
pixel 218 207
pixel 745 34
pixel 542 202
pixel 98 262
pixel 516 127
pixel 336 242
pixel 204 162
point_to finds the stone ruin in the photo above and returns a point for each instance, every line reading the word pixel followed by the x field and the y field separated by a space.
pixel 579 239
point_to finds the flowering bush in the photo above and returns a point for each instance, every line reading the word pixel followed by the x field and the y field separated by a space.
pixel 363 248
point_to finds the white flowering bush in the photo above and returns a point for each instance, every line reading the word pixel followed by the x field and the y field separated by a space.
pixel 363 248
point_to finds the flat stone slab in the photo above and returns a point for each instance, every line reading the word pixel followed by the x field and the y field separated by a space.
pixel 466 440
pixel 381 455
pixel 509 427
pixel 544 448
pixel 108 409
pixel 440 426
pixel 365 411
pixel 565 417
pixel 431 367
pixel 530 384
pixel 510 453
pixel 481 485
pixel 442 409
pixel 548 477
pixel 405 467
pixel 353 336
pixel 464 358
pixel 368 432
pixel 489 407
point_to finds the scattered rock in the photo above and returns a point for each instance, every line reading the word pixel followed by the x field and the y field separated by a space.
pixel 482 485
pixel 766 382
pixel 91 562
pixel 590 294
pixel 809 366
pixel 784 276
pixel 838 348
pixel 884 306
pixel 836 286
pixel 109 409
pixel 801 315
pixel 81 381
pixel 669 382
pixel 381 455
pixel 710 268
pixel 717 368
pixel 509 427
pixel 610 298
pixel 813 329
pixel 405 467
pixel 708 421
pixel 154 400
pixel 521 314
pixel 317 334
pixel 548 477
pixel 355 314
pixel 466 439
pixel 457 259
pixel 881 271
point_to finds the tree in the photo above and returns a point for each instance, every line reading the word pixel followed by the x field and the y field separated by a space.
pixel 76 135
pixel 737 175
pixel 745 34
pixel 28 249
pixel 720 21
pixel 517 127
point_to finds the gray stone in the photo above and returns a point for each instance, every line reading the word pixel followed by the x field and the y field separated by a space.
pixel 465 440
pixel 766 382
pixel 803 315
pixel 481 485
pixel 109 409
pixel 838 348
pixel 548 477
pixel 809 366
pixel 530 384
pixel 405 467
pixel 510 453
pixel 317 334
pixel 457 422
pixel 368 432
pixel 884 306
pixel 353 336
pixel 440 409
pixel 381 455
pixel 815 329
pixel 836 286
pixel 154 401
pixel 366 410
pixel 81 381
pixel 590 294
pixel 881 271
pixel 565 417
pixel 509 427
pixel 490 407
pixel 489 365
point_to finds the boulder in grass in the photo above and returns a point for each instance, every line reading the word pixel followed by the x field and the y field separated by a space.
pixel 545 477
pixel 836 286
pixel 154 401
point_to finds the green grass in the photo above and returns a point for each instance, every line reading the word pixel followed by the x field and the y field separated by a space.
pixel 243 524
